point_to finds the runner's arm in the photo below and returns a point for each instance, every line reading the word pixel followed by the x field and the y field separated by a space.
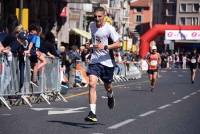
pixel 115 45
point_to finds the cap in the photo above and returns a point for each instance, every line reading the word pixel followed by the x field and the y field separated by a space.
pixel 153 47
pixel 22 36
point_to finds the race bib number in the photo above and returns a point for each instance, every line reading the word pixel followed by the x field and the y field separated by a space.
pixel 154 63
pixel 193 60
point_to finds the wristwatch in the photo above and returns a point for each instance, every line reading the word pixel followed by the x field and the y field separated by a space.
pixel 106 47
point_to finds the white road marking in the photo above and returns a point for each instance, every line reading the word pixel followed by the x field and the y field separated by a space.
pixel 121 124
pixel 164 106
pixel 5 114
pixel 147 113
pixel 177 101
pixel 97 133
pixel 119 86
pixel 186 97
pixel 193 93
pixel 41 109
pixel 104 97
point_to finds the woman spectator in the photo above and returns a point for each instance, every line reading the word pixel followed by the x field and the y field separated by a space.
pixel 49 45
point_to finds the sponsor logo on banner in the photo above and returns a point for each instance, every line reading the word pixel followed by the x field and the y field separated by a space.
pixel 182 34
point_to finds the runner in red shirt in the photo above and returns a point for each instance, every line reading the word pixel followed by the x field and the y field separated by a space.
pixel 153 61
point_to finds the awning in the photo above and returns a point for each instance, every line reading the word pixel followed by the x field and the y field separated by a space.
pixel 82 33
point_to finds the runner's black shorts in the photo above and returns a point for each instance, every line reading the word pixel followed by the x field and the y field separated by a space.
pixel 101 71
pixel 150 71
pixel 193 66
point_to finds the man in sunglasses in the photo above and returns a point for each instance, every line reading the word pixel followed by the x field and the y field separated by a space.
pixel 101 65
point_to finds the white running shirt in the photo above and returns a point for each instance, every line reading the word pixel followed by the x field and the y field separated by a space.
pixel 102 34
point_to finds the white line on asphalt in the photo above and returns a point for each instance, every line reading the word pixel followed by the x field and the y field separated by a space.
pixel 121 124
pixel 198 90
pixel 5 114
pixel 177 101
pixel 147 113
pixel 104 97
pixel 185 97
pixel 97 133
pixel 193 93
pixel 119 86
pixel 164 106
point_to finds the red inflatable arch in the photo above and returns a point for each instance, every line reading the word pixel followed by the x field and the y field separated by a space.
pixel 156 30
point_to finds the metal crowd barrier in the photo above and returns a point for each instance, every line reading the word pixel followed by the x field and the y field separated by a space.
pixel 5 78
pixel 125 71
pixel 48 78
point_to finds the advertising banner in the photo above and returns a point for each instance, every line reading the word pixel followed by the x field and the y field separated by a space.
pixel 182 35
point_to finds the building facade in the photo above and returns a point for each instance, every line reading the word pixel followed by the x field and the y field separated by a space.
pixel 140 16
pixel 188 12
pixel 177 12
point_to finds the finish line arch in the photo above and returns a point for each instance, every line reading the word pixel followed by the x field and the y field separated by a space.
pixel 156 30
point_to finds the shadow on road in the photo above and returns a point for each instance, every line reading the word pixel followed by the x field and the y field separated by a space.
pixel 81 125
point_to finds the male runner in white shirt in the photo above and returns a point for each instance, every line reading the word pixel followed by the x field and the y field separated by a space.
pixel 101 65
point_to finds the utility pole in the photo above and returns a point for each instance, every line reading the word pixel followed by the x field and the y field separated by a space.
pixel 21 11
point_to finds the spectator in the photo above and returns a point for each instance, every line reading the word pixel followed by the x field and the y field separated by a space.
pixel 184 60
pixel 73 56
pixel 18 48
pixel 49 45
pixel 33 51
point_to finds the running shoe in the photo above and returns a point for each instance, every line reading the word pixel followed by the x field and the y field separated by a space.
pixel 91 117
pixel 111 102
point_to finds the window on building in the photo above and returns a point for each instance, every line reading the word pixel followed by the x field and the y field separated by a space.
pixel 189 7
pixel 182 7
pixel 195 21
pixel 139 18
pixel 139 9
pixel 182 21
pixel 173 9
pixel 189 21
pixel 196 7
pixel 172 1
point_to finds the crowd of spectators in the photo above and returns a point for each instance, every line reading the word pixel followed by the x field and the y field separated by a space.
pixel 32 43
pixel 176 60
pixel 37 45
